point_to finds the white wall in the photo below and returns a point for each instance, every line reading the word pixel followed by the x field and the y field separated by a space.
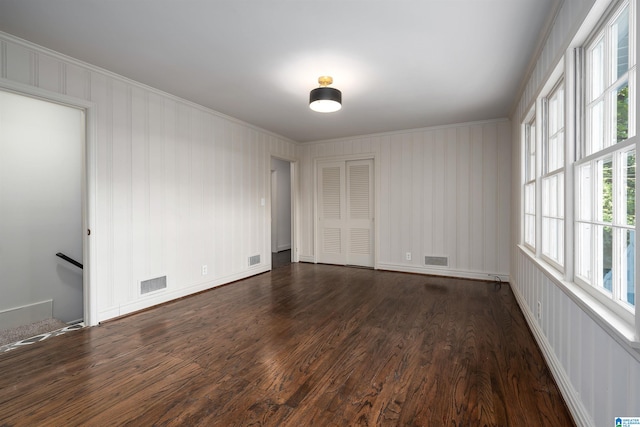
pixel 598 375
pixel 442 191
pixel 282 208
pixel 41 146
pixel 177 186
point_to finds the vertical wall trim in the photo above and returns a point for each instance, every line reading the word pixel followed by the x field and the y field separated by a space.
pixel 132 291
pixel 483 197
pixel 87 84
pixel 147 177
pixel 3 59
pixel 90 276
pixel 34 65
pixel 572 129
pixel 109 284
pixel 62 78
pixel 162 141
pixel 295 212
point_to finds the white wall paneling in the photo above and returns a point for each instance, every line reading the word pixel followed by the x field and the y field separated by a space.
pixel 433 197
pixel 598 375
pixel 177 186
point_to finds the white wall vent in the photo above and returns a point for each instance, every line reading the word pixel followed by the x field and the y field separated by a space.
pixel 253 260
pixel 151 285
pixel 439 261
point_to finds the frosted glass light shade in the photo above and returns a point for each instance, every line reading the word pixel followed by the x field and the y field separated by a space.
pixel 325 100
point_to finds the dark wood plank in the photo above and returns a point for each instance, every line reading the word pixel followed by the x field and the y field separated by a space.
pixel 302 345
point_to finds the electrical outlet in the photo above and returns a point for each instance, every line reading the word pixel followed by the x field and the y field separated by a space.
pixel 539 310
pixel 407 256
pixel 205 270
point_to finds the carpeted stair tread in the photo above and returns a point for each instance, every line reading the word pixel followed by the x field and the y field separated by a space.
pixel 8 336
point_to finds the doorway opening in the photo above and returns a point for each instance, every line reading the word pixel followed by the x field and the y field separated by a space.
pixel 282 234
pixel 42 149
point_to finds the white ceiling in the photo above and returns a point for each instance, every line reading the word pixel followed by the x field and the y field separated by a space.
pixel 400 64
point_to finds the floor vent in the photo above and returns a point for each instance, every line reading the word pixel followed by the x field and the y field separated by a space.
pixel 253 260
pixel 151 285
pixel 440 261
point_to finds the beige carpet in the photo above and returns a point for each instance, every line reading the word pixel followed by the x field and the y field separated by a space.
pixel 8 336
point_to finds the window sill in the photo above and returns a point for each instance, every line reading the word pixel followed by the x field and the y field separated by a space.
pixel 616 326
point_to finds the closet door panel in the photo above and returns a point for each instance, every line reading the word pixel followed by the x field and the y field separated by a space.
pixel 331 213
pixel 359 215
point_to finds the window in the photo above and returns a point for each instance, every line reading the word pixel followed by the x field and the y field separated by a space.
pixel 610 72
pixel 605 225
pixel 605 175
pixel 553 178
pixel 530 182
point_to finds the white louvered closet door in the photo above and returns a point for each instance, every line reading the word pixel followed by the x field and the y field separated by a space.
pixel 359 219
pixel 331 213
pixel 345 213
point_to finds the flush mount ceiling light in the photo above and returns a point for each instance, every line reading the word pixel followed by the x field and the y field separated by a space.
pixel 325 99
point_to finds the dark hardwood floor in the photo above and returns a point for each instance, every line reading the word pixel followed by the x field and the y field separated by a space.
pixel 303 345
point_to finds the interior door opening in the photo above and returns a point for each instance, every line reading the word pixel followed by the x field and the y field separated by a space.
pixel 41 197
pixel 282 237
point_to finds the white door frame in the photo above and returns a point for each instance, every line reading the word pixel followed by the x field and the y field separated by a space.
pixel 295 257
pixel 274 202
pixel 89 282
pixel 376 207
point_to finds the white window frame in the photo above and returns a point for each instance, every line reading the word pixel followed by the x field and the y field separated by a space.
pixel 589 224
pixel 591 283
pixel 530 176
pixel 550 212
pixel 608 83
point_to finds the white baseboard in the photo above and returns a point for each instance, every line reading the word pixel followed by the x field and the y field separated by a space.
pixel 571 397
pixel 160 297
pixel 403 268
pixel 464 274
pixel 307 258
pixel 284 247
pixel 26 314
pixel 108 313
